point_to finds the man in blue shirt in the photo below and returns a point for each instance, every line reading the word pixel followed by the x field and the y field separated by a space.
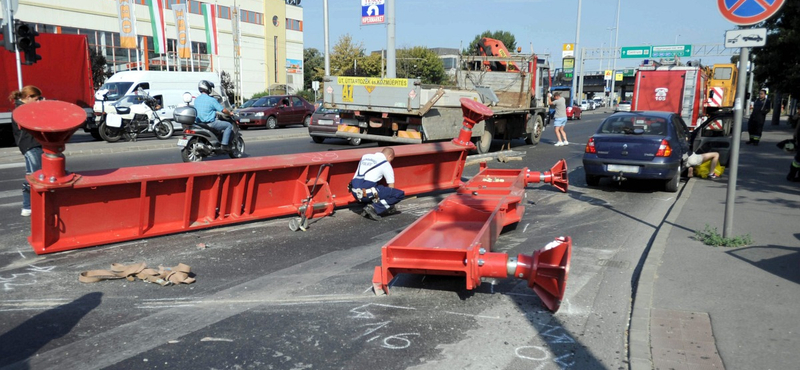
pixel 207 108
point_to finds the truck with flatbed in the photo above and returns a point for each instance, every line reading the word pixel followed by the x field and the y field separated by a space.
pixel 403 110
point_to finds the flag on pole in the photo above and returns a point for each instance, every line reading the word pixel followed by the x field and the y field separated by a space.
pixel 127 25
pixel 157 22
pixel 182 24
pixel 210 16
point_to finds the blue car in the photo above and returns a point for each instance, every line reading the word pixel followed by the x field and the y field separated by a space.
pixel 638 145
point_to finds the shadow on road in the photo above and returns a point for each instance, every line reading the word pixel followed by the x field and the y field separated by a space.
pixel 19 344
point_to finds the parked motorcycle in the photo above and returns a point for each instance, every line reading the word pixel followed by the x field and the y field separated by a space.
pixel 134 115
pixel 201 140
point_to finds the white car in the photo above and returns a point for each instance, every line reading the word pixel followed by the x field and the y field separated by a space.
pixel 623 106
pixel 587 105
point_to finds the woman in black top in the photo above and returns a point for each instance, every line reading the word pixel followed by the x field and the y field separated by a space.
pixel 30 148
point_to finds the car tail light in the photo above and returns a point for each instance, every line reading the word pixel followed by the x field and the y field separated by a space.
pixel 590 146
pixel 664 150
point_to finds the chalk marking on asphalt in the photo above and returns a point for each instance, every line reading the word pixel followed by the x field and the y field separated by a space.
pixel 525 228
pixel 210 339
pixel 108 348
pixel 471 315
pixel 21 254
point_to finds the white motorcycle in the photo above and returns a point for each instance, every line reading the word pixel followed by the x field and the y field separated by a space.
pixel 133 115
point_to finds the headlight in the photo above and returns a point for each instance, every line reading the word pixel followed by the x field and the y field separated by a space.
pixel 259 114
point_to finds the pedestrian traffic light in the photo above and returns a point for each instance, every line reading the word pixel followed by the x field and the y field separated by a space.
pixel 26 42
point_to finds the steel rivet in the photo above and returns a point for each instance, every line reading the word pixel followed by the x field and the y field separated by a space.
pixel 480 262
pixel 482 251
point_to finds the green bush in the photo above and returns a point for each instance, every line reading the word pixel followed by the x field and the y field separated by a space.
pixel 710 236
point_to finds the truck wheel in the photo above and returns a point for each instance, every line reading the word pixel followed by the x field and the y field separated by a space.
pixel 533 137
pixel 485 142
pixel 355 141
pixel 112 135
pixel 318 139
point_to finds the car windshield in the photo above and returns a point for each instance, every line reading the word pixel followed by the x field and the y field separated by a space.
pixel 249 103
pixel 626 123
pixel 116 90
pixel 267 101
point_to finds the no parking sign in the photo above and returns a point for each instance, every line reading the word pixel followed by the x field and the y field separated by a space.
pixel 747 12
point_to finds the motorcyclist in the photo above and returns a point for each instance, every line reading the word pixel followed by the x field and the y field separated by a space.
pixel 207 108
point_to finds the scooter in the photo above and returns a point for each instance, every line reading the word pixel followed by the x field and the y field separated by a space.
pixel 132 116
pixel 201 140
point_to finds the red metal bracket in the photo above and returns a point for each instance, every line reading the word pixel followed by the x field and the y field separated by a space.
pixel 458 236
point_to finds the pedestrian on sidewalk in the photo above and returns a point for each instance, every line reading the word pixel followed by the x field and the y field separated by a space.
pixel 560 117
pixel 31 149
pixel 755 125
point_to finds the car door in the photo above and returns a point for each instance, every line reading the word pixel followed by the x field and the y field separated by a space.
pixel 714 134
pixel 284 111
pixel 298 110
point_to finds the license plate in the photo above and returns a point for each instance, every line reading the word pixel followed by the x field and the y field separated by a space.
pixel 183 141
pixel 622 168
pixel 113 120
pixel 325 122
pixel 244 120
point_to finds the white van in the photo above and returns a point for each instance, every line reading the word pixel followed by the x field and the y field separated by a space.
pixel 166 87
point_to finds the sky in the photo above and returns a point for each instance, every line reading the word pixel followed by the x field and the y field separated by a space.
pixel 541 25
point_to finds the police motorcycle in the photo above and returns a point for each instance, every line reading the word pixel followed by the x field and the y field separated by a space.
pixel 133 115
pixel 201 140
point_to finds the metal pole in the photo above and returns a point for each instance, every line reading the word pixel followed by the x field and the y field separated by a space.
pixel 614 52
pixel 391 66
pixel 575 84
pixel 750 69
pixel 327 37
pixel 727 229
pixel 580 77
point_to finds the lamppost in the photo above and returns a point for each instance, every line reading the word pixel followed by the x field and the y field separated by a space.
pixel 616 42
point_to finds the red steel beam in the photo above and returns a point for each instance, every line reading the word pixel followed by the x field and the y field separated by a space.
pixel 457 238
pixel 71 211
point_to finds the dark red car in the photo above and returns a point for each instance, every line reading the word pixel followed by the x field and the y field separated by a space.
pixel 574 112
pixel 277 110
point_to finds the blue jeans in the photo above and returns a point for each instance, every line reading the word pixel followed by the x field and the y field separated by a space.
pixel 33 163
pixel 226 129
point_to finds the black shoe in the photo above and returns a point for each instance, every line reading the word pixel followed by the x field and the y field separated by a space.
pixel 391 210
pixel 749 142
pixel 226 148
pixel 369 212
pixel 755 143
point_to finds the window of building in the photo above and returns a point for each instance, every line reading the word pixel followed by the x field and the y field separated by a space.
pixel 293 24
pixel 223 12
pixel 169 3
pixel 251 17
pixel 140 2
pixel 194 7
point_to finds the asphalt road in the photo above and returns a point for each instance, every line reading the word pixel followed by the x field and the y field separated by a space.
pixel 270 298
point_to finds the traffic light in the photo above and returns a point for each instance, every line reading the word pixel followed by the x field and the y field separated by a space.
pixel 26 42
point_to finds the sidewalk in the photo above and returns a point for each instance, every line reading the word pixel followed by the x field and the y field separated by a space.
pixel 704 307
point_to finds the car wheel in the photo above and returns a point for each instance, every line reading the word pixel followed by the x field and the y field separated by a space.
pixel 592 180
pixel 672 184
pixel 307 121
pixel 318 139
pixel 272 122
pixel 579 115
pixel 355 141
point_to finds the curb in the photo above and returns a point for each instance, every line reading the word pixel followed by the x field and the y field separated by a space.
pixel 639 349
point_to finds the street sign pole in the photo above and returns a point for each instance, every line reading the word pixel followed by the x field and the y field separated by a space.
pixel 733 168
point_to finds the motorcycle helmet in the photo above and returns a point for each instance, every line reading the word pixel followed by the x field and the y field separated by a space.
pixel 205 86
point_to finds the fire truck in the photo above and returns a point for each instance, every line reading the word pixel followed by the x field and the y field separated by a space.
pixel 694 91
pixel 698 93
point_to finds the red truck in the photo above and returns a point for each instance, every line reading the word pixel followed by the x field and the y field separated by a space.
pixel 679 89
pixel 64 73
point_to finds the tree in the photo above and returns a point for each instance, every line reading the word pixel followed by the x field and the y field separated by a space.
pixel 100 70
pixel 421 62
pixel 313 66
pixel 776 63
pixel 344 56
pixel 506 37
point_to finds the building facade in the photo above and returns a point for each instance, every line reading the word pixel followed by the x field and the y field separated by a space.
pixel 269 37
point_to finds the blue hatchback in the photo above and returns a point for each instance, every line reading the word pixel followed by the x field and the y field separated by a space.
pixel 638 145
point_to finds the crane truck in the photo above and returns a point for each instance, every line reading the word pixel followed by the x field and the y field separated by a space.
pixel 403 110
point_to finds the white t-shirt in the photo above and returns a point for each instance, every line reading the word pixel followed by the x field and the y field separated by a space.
pixel 383 171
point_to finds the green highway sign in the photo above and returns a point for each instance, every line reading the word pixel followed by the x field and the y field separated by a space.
pixel 628 72
pixel 671 51
pixel 636 52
